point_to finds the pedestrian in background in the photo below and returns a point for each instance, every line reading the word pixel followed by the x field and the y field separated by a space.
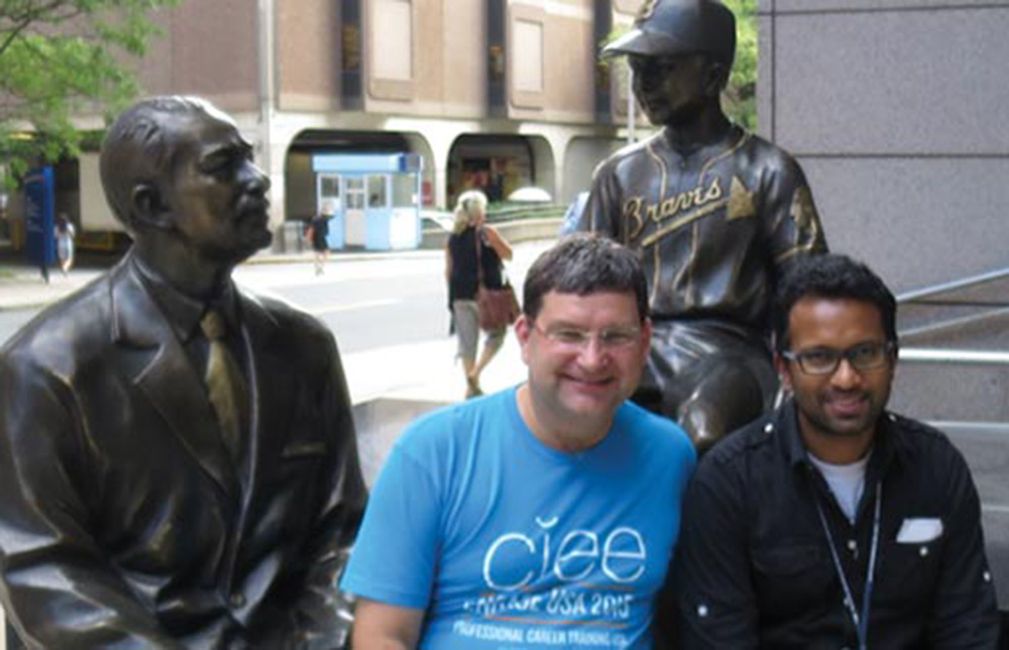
pixel 65 242
pixel 316 234
pixel 473 255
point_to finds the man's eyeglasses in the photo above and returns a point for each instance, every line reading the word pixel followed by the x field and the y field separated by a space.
pixel 824 361
pixel 609 339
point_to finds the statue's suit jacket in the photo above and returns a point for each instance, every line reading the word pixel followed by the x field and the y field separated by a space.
pixel 123 520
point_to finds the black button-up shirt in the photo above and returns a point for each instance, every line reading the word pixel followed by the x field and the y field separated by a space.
pixel 754 567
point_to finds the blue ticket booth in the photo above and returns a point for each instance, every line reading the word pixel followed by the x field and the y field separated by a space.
pixel 374 199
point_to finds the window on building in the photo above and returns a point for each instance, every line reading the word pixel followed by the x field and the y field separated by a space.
pixel 329 186
pixel 528 56
pixel 392 37
pixel 355 193
pixel 404 191
pixel 376 191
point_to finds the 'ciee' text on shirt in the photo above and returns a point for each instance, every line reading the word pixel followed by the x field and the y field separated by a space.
pixel 621 554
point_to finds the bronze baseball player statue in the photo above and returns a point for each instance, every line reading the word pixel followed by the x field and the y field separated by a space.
pixel 178 466
pixel 716 214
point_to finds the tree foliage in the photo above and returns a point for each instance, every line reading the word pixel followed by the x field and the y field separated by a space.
pixel 61 58
pixel 741 93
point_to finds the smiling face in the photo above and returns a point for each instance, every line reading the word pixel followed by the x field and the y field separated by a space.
pixel 842 407
pixel 673 89
pixel 574 388
pixel 214 192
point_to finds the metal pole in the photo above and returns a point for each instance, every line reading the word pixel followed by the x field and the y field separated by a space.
pixel 965 357
pixel 266 83
pixel 963 283
pixel 631 107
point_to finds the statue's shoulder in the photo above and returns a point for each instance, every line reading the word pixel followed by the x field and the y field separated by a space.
pixel 293 324
pixel 280 310
pixel 759 151
pixel 74 328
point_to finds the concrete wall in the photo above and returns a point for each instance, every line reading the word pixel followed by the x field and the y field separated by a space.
pixel 896 110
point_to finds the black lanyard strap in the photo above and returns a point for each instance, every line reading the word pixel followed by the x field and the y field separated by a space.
pixel 861 621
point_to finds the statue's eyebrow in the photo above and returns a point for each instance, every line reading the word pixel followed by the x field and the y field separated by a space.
pixel 224 152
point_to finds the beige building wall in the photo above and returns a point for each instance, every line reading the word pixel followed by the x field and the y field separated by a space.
pixel 308 41
pixel 444 44
pixel 209 48
pixel 276 66
pixel 438 58
pixel 463 58
pixel 566 68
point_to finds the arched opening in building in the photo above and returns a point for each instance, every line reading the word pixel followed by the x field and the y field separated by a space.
pixel 371 185
pixel 300 180
pixel 498 165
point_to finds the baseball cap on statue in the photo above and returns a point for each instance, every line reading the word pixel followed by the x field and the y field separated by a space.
pixel 679 27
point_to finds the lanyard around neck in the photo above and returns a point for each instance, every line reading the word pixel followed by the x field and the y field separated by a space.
pixel 861 621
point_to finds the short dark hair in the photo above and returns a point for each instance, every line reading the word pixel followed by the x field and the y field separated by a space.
pixel 136 149
pixel 582 264
pixel 831 276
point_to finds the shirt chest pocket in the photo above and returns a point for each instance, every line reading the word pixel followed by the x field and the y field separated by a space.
pixel 908 571
pixel 789 576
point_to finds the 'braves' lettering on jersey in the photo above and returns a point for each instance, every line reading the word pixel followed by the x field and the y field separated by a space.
pixel 714 226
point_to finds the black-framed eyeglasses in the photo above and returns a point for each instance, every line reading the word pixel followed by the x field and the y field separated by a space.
pixel 824 361
pixel 609 339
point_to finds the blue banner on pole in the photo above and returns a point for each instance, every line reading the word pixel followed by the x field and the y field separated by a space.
pixel 40 199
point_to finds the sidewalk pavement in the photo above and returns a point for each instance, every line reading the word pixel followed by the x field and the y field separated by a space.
pixel 22 287
pixel 427 371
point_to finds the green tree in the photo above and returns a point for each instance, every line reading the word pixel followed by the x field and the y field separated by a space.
pixel 61 58
pixel 741 94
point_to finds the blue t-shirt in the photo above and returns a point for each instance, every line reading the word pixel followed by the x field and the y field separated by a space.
pixel 508 543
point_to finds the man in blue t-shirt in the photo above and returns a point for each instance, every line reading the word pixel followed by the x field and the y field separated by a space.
pixel 543 516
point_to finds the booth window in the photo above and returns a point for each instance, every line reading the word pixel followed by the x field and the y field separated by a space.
pixel 329 193
pixel 404 191
pixel 355 194
pixel 376 191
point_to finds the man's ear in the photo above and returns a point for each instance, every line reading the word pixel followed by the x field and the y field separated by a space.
pixel 523 329
pixel 148 208
pixel 781 365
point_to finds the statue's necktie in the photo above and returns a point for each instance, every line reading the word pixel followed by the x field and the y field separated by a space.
pixel 226 386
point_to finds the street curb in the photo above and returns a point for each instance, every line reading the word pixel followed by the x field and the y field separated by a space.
pixel 336 256
pixel 29 305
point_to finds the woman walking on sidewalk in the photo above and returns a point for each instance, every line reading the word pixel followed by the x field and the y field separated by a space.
pixel 65 242
pixel 471 237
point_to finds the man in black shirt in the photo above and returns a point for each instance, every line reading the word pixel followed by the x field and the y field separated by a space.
pixel 831 522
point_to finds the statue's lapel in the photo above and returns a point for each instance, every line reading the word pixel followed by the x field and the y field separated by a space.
pixel 156 363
